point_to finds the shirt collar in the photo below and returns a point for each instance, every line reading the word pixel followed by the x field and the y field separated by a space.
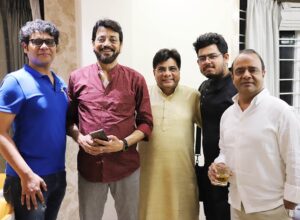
pixel 32 71
pixel 36 74
pixel 256 100
pixel 219 83
pixel 112 72
pixel 167 96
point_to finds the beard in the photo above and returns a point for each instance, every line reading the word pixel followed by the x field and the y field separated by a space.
pixel 106 59
pixel 216 74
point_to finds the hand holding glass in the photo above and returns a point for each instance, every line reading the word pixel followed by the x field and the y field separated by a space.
pixel 222 174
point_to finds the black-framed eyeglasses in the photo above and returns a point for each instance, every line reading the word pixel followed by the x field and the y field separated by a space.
pixel 39 42
pixel 210 57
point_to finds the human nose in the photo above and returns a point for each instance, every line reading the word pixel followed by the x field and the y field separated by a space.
pixel 167 73
pixel 247 74
pixel 206 60
pixel 44 45
pixel 107 42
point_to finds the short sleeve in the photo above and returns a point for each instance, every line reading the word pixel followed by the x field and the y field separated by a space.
pixel 11 95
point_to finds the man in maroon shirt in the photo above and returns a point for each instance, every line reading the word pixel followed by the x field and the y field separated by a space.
pixel 112 97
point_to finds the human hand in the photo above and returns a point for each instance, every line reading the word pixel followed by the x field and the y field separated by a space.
pixel 212 173
pixel 113 145
pixel 32 186
pixel 219 174
pixel 88 144
pixel 290 208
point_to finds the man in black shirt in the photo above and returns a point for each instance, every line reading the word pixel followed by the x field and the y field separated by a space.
pixel 216 96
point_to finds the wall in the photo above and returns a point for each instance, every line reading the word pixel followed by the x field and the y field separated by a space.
pixel 148 26
pixel 151 25
pixel 62 13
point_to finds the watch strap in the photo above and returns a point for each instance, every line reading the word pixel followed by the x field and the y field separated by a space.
pixel 125 145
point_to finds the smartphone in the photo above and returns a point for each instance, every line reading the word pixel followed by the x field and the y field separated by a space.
pixel 99 134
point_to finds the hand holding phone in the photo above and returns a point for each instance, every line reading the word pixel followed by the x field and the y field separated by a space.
pixel 99 134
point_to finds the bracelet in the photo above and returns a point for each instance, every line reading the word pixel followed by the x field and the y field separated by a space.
pixel 125 145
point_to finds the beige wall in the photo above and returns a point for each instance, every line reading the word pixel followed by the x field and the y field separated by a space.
pixel 62 13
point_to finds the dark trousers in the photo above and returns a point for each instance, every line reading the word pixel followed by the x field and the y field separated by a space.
pixel 214 198
pixel 56 187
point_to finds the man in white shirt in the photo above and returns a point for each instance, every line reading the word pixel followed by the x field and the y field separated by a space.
pixel 260 143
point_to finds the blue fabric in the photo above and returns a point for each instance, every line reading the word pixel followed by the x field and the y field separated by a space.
pixel 56 188
pixel 40 123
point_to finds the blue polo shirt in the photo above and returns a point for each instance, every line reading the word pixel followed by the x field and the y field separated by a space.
pixel 40 124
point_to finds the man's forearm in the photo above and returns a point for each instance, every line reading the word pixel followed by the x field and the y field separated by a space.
pixel 11 154
pixel 135 137
pixel 73 132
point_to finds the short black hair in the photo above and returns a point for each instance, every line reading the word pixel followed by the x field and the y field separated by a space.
pixel 250 51
pixel 164 54
pixel 107 23
pixel 38 25
pixel 208 39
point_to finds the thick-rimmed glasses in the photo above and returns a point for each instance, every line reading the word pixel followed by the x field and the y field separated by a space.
pixel 39 42
pixel 210 57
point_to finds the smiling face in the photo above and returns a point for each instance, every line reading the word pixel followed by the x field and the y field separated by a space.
pixel 39 56
pixel 248 75
pixel 167 76
pixel 212 63
pixel 107 45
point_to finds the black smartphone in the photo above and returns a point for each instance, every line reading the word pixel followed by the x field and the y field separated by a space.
pixel 99 134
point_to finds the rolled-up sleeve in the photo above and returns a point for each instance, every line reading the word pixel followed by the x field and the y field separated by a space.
pixel 144 119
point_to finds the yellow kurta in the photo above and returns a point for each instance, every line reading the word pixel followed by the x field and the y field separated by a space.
pixel 168 187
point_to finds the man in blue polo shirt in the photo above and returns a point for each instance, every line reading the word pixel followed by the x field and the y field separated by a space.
pixel 33 101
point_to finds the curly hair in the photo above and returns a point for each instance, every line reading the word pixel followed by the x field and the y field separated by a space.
pixel 38 25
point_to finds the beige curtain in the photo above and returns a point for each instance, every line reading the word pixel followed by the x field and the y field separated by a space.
pixel 35 9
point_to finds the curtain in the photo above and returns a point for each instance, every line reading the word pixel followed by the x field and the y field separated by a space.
pixel 35 9
pixel 14 14
pixel 296 84
pixel 262 35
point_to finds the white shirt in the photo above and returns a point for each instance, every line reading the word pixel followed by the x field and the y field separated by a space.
pixel 261 145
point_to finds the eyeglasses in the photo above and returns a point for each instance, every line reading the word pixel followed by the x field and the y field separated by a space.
pixel 210 57
pixel 39 42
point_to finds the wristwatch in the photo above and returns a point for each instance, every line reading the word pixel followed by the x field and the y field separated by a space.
pixel 125 145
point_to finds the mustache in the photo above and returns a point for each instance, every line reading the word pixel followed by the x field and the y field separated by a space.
pixel 106 47
pixel 208 66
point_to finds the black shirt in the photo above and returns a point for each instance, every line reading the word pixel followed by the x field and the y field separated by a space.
pixel 216 97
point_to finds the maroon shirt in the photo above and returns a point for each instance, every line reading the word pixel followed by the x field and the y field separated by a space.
pixel 119 109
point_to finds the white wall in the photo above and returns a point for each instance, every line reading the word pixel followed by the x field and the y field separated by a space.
pixel 149 25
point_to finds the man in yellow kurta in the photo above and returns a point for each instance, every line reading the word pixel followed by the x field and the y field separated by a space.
pixel 168 187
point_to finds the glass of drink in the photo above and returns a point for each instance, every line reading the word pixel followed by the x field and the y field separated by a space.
pixel 222 175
